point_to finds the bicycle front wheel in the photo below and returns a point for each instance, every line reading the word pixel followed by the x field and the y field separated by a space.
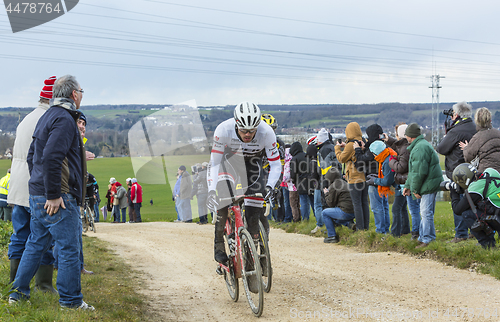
pixel 265 259
pixel 230 278
pixel 90 216
pixel 251 273
pixel 85 223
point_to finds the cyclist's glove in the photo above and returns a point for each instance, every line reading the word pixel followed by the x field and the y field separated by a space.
pixel 269 194
pixel 212 201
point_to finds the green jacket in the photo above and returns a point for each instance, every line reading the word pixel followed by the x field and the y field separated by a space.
pixel 424 171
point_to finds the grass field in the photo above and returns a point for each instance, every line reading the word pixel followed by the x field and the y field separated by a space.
pixel 163 208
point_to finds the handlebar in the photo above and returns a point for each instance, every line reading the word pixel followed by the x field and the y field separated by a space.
pixel 238 199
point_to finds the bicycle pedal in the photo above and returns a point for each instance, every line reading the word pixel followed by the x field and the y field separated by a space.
pixel 219 271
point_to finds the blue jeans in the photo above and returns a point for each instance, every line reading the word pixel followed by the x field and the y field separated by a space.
pixel 332 216
pixel 137 208
pixel 427 207
pixel 400 221
pixel 21 224
pixel 116 213
pixel 461 229
pixel 96 212
pixel 65 229
pixel 185 209
pixel 318 208
pixel 305 205
pixel 202 206
pixel 414 207
pixel 380 209
pixel 288 209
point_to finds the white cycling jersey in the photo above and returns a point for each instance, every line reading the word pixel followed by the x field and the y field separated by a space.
pixel 226 140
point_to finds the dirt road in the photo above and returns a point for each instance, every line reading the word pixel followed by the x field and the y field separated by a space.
pixel 312 280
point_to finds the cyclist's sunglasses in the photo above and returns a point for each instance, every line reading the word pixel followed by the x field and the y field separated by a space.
pixel 247 131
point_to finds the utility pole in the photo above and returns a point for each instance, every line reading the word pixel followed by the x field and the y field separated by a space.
pixel 435 109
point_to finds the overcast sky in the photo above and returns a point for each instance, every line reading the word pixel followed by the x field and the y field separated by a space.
pixel 269 52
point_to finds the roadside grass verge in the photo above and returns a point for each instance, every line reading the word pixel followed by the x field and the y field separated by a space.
pixel 111 290
pixel 463 255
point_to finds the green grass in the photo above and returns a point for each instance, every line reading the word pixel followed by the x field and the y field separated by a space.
pixel 111 290
pixel 464 255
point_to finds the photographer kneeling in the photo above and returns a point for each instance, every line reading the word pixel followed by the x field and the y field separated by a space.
pixel 482 197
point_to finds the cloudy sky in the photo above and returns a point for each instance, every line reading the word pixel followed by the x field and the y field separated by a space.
pixel 270 52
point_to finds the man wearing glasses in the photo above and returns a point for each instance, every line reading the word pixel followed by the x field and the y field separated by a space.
pixel 56 162
pixel 236 161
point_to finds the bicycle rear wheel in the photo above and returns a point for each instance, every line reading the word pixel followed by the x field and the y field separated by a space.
pixel 90 216
pixel 265 259
pixel 251 273
pixel 231 281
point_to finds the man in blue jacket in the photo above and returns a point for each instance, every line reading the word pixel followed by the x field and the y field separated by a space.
pixel 56 161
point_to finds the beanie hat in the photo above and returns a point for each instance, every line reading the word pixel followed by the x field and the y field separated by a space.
pixel 112 180
pixel 182 168
pixel 83 117
pixel 413 130
pixel 377 147
pixel 322 135
pixel 205 164
pixel 134 180
pixel 47 89
pixel 401 130
pixel 128 180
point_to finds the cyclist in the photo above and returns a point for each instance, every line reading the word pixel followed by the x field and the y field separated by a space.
pixel 238 148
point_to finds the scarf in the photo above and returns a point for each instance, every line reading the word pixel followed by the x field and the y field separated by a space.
pixel 384 191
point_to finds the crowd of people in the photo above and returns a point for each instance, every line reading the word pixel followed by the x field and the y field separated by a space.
pixel 120 198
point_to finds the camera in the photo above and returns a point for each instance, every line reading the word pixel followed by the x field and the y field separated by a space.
pixel 448 112
pixel 481 226
pixel 339 141
pixel 449 185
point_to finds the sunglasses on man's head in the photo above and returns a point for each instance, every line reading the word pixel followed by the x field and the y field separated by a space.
pixel 247 131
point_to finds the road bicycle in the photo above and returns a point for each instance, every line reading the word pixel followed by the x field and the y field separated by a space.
pixel 87 216
pixel 244 257
pixel 265 255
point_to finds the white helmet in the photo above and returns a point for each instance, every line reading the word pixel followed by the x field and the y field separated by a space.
pixel 312 140
pixel 247 115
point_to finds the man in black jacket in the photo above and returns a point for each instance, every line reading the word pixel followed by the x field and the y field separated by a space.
pixel 462 129
pixel 56 160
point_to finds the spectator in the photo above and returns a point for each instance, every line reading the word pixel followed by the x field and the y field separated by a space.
pixel 485 144
pixel 424 178
pixel 284 186
pixel 56 161
pixel 5 209
pixel 185 195
pixel 365 161
pixel 357 184
pixel 131 211
pixel 109 204
pixel 19 194
pixel 299 174
pixel 340 210
pixel 136 196
pixel 151 201
pixel 326 158
pixel 383 182
pixel 115 211
pixel 292 190
pixel 200 180
pixel 313 184
pixel 175 197
pixel 462 129
pixel 120 203
pixel 400 221
pixel 483 192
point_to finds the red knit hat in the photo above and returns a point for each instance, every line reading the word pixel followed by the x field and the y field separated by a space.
pixel 47 89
